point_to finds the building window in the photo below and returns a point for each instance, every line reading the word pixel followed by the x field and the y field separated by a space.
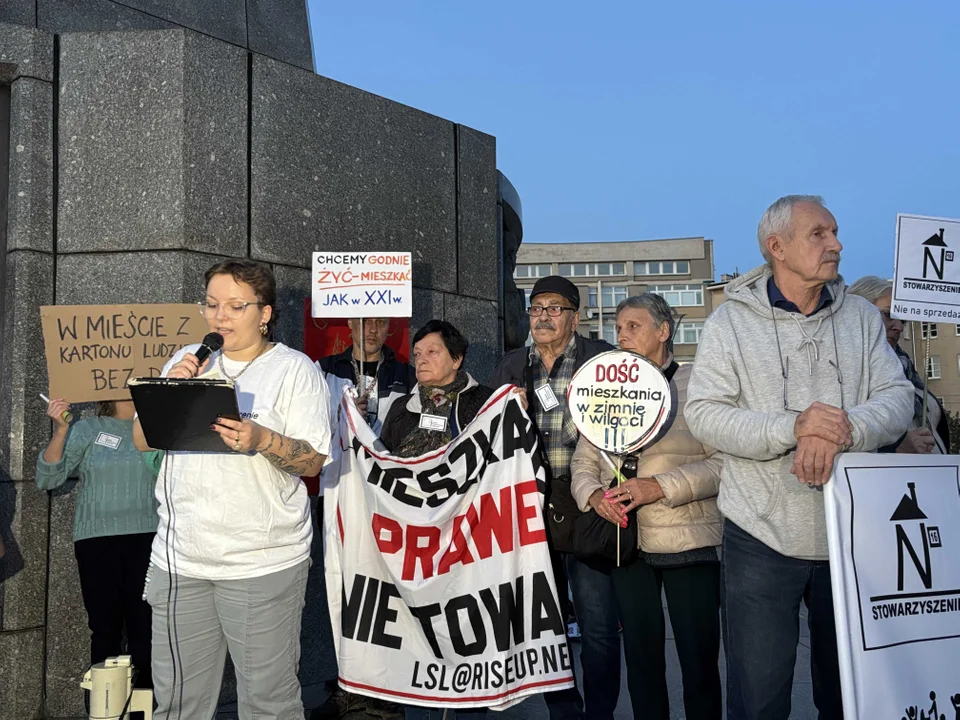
pixel 589 269
pixel 933 367
pixel 928 331
pixel 688 333
pixel 958 330
pixel 526 297
pixel 679 295
pixel 610 332
pixel 531 271
pixel 612 296
pixel 662 267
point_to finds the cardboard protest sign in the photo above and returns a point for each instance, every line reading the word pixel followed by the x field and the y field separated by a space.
pixel 926 282
pixel 93 350
pixel 893 526
pixel 357 285
pixel 618 400
pixel 441 589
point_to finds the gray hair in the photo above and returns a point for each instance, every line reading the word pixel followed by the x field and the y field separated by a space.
pixel 871 287
pixel 777 220
pixel 658 308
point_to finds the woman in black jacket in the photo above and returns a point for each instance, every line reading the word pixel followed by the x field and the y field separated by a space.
pixel 444 401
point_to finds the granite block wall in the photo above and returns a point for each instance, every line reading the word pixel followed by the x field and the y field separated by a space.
pixel 274 28
pixel 147 143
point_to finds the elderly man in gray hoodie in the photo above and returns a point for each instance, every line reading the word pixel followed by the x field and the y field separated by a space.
pixel 789 373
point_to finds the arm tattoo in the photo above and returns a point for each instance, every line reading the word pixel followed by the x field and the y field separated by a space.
pixel 295 457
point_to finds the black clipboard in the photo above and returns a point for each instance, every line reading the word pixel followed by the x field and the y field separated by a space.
pixel 176 414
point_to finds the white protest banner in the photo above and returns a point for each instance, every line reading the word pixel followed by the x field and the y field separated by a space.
pixel 440 586
pixel 893 523
pixel 619 400
pixel 926 283
pixel 362 285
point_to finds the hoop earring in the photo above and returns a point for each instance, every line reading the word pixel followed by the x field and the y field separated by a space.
pixel 264 329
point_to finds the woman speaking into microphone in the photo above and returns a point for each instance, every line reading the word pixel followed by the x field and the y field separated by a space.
pixel 229 564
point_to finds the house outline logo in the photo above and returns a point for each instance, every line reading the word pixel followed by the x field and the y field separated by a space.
pixel 935 255
pixel 920 602
pixel 906 518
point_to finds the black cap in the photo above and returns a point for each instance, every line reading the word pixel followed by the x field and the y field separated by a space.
pixel 559 285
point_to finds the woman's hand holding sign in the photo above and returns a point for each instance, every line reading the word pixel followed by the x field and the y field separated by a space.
pixel 607 509
pixel 59 410
pixel 634 493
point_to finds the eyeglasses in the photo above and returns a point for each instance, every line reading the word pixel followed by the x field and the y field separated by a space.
pixel 785 364
pixel 232 310
pixel 552 310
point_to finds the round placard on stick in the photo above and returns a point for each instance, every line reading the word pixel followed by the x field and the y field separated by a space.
pixel 619 401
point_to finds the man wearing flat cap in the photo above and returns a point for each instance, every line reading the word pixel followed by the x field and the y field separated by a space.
pixel 544 371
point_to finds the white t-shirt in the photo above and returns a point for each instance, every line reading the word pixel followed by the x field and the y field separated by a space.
pixel 227 516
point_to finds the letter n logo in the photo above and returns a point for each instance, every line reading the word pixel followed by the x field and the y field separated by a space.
pixel 934 254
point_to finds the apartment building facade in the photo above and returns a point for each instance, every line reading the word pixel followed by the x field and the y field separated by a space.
pixel 943 364
pixel 679 269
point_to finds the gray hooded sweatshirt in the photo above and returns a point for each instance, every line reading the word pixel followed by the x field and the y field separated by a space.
pixel 838 356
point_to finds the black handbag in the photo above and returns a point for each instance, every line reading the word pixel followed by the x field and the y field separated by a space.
pixel 562 514
pixel 595 538
pixel 561 508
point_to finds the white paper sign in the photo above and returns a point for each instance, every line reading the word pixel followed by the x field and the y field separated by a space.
pixel 619 400
pixel 362 285
pixel 926 282
pixel 893 523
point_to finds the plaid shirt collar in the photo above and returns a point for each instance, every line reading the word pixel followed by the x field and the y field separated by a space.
pixel 557 430
pixel 569 353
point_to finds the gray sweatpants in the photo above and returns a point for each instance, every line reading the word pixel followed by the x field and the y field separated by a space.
pixel 257 620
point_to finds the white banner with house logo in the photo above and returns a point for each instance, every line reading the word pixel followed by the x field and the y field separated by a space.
pixel 893 523
pixel 926 284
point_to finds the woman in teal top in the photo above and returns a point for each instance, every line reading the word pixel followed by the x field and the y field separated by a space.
pixel 114 524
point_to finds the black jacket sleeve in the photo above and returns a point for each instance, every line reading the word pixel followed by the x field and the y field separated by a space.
pixel 509 371
pixel 395 426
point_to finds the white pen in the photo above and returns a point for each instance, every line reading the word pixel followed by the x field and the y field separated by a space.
pixel 67 416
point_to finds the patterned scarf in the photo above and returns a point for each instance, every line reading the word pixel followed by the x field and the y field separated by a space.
pixel 910 370
pixel 433 401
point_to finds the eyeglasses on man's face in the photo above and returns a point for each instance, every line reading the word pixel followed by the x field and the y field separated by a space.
pixel 552 310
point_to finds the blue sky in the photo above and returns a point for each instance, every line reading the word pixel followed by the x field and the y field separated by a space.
pixel 641 120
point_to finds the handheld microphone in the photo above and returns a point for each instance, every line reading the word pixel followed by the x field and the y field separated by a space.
pixel 211 343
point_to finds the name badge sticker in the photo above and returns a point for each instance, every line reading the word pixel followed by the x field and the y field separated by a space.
pixel 108 440
pixel 437 423
pixel 548 401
